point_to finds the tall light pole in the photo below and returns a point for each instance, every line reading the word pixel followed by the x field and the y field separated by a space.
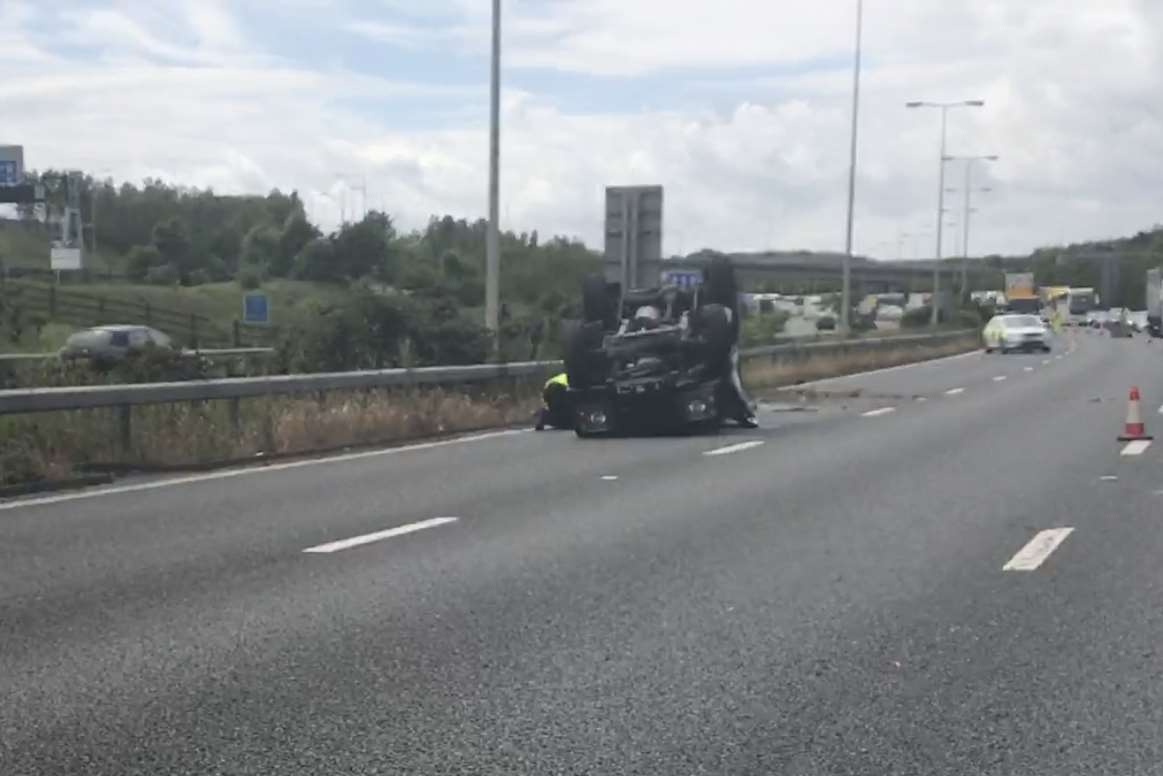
pixel 969 162
pixel 846 292
pixel 492 239
pixel 944 108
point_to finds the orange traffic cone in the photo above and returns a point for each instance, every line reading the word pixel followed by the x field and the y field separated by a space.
pixel 1134 428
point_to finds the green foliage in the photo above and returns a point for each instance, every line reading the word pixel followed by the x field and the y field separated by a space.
pixel 260 248
pixel 762 329
pixel 316 261
pixel 296 234
pixel 162 275
pixel 249 279
pixel 365 248
pixel 917 318
pixel 216 269
pixel 198 277
pixel 140 260
pixel 920 317
pixel 376 331
pixel 172 242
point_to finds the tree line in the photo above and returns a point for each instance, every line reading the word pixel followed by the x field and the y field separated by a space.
pixel 420 289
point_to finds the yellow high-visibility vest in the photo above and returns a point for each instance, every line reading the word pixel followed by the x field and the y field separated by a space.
pixel 560 379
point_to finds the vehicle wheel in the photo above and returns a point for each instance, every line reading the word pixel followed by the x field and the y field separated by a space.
pixel 713 325
pixel 582 361
pixel 596 303
pixel 720 288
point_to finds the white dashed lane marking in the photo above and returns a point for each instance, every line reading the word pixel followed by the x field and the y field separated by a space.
pixel 999 379
pixel 735 448
pixel 879 412
pixel 1137 447
pixel 1027 369
pixel 954 391
pixel 1037 550
pixel 356 541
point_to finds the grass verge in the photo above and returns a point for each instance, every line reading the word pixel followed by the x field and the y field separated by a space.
pixel 762 373
pixel 57 445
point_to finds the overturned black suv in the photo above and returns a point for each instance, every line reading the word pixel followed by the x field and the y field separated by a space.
pixel 656 360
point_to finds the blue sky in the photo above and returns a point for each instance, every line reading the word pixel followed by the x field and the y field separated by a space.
pixel 740 108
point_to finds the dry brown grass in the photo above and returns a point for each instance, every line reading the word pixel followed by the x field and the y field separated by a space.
pixel 57 444
pixel 760 373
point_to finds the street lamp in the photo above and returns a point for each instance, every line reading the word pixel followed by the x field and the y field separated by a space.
pixel 944 108
pixel 846 286
pixel 492 238
pixel 969 162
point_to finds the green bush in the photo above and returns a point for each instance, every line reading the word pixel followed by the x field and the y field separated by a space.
pixel 249 279
pixel 920 317
pixel 163 275
pixel 198 277
pixel 140 260
pixel 917 318
pixel 758 330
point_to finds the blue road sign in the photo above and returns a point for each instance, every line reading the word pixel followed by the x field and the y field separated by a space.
pixel 256 308
pixel 8 173
pixel 682 278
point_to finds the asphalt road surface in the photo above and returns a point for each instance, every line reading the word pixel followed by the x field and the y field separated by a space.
pixel 903 578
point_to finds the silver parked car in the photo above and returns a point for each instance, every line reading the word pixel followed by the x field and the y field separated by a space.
pixel 114 342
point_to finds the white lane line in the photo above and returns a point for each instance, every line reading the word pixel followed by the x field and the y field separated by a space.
pixel 1045 362
pixel 879 412
pixel 1039 548
pixel 922 398
pixel 735 448
pixel 227 473
pixel 897 368
pixel 356 541
pixel 1027 369
pixel 954 391
pixel 609 477
pixel 999 379
pixel 1137 447
pixel 1109 478
pixel 1058 358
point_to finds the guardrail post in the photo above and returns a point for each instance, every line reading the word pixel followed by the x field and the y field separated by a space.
pixel 235 415
pixel 125 429
pixel 100 309
pixel 236 333
pixel 148 314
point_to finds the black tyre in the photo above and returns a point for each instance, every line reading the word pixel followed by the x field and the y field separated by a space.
pixel 597 307
pixel 721 288
pixel 714 330
pixel 583 357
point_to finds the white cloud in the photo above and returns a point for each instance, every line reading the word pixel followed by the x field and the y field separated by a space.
pixel 1071 89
